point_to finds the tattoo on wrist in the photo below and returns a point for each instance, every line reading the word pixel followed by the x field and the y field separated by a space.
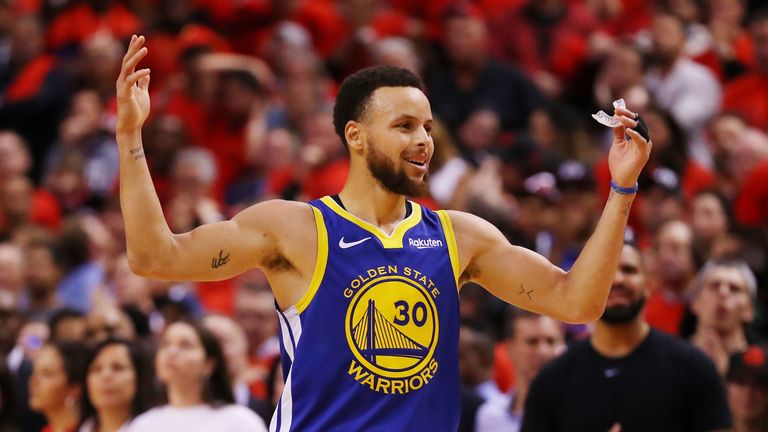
pixel 137 153
pixel 219 261
pixel 523 291
pixel 626 209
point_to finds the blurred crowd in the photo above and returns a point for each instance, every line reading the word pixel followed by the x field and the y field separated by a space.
pixel 242 95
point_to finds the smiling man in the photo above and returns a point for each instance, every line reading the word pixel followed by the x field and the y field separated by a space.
pixel 628 376
pixel 367 281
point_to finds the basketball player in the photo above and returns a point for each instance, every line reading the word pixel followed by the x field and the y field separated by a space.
pixel 367 282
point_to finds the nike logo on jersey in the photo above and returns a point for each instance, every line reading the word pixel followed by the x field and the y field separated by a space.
pixel 345 245
pixel 611 372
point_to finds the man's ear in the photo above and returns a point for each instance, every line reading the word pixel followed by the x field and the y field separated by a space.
pixel 353 132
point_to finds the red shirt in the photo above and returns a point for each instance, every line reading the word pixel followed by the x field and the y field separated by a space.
pixel 751 205
pixel 748 96
pixel 78 23
pixel 664 312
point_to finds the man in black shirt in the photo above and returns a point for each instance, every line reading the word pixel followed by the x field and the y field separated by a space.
pixel 627 376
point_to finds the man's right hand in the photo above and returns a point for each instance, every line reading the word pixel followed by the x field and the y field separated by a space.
pixel 132 89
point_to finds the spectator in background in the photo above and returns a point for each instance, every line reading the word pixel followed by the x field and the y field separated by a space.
pixel 474 80
pixel 748 94
pixel 194 175
pixel 118 386
pixel 235 348
pixel 15 162
pixel 626 370
pixel 12 266
pixel 42 274
pixel 689 91
pixel 675 271
pixel 724 294
pixel 82 133
pixel 11 321
pixel 82 275
pixel 532 341
pixel 747 384
pixel 9 415
pixel 108 322
pixel 711 218
pixel 725 131
pixel 191 367
pixel 67 325
pixel 34 90
pixel 620 76
pixel 550 41
pixel 476 363
pixel 396 51
pixel 56 385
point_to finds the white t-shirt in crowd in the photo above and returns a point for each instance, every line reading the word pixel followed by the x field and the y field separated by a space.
pixel 199 418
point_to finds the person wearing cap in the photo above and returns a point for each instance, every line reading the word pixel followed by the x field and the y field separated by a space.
pixel 747 384
pixel 627 376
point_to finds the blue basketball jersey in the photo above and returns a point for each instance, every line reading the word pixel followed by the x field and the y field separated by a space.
pixel 373 345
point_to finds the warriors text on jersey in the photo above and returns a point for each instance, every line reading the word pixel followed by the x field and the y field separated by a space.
pixel 373 343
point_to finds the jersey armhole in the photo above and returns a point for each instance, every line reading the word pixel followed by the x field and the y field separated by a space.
pixel 450 238
pixel 320 263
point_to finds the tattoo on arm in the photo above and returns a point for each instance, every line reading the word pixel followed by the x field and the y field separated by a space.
pixel 137 153
pixel 523 291
pixel 626 209
pixel 219 261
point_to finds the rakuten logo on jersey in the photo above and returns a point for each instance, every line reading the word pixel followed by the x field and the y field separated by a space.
pixel 425 243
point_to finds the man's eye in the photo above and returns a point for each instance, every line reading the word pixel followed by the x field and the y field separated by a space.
pixel 405 125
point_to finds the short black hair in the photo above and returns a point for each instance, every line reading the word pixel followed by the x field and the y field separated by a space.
pixel 356 90
pixel 60 315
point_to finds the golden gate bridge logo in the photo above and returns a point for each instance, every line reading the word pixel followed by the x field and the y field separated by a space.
pixel 374 335
pixel 392 326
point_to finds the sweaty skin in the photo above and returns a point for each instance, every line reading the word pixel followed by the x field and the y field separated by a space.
pixel 280 238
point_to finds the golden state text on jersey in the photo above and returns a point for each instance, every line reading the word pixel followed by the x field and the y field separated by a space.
pixel 373 345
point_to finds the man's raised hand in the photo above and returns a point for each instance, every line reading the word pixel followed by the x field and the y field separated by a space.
pixel 627 157
pixel 132 89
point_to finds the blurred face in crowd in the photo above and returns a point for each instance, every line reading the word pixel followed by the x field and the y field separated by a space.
pixel 26 40
pixel 232 340
pixel 536 341
pixel 475 356
pixel 83 120
pixel 11 268
pixel 674 254
pixel 728 11
pixel 48 385
pixel 181 356
pixel 748 400
pixel 41 271
pixel 722 301
pixel 480 130
pixel 466 40
pixel 708 217
pixel 622 69
pixel 70 329
pixel 628 291
pixel 111 378
pixel 256 314
pixel 17 198
pixel 105 322
pixel 14 157
pixel 668 39
pixel 759 32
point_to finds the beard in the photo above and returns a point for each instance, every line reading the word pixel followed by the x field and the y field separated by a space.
pixel 618 315
pixel 392 179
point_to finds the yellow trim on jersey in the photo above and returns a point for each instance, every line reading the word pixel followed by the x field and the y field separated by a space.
pixel 393 241
pixel 453 251
pixel 322 260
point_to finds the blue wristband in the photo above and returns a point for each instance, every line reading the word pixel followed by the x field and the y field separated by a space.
pixel 624 191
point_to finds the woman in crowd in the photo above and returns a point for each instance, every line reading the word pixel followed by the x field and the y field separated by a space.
pixel 118 387
pixel 55 387
pixel 190 365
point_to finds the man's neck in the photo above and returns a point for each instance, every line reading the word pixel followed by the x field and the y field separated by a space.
pixel 732 341
pixel 619 340
pixel 365 198
pixel 518 400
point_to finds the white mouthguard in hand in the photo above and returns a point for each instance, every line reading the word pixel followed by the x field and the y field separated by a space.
pixel 606 120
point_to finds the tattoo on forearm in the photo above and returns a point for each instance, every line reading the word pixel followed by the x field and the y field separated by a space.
pixel 137 153
pixel 220 261
pixel 523 291
pixel 626 209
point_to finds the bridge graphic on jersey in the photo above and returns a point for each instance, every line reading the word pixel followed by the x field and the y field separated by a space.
pixel 383 338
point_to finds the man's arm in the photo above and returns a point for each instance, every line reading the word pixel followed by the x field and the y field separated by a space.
pixel 526 279
pixel 210 252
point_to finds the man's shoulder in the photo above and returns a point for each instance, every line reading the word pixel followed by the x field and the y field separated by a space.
pixel 678 350
pixel 562 365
